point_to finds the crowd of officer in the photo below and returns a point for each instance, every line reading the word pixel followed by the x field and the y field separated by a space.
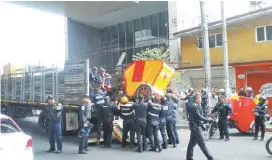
pixel 147 118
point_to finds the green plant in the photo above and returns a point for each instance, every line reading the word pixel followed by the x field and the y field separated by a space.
pixel 153 54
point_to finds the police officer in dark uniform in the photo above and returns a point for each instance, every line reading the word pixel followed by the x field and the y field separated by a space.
pixel 189 97
pixel 195 122
pixel 224 109
pixel 260 112
pixel 162 124
pixel 204 102
pixel 154 110
pixel 127 113
pixel 53 118
pixel 140 108
pixel 171 120
pixel 108 112
pixel 84 123
pixel 98 97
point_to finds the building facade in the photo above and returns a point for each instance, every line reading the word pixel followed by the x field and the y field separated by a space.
pixel 249 49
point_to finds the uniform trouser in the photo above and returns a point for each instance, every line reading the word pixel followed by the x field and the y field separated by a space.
pixel 223 125
pixel 128 126
pixel 140 126
pixel 171 126
pixel 153 133
pixel 163 131
pixel 107 129
pixel 259 123
pixel 54 134
pixel 83 141
pixel 196 137
pixel 99 121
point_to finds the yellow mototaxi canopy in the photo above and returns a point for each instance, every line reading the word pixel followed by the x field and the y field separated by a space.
pixel 155 73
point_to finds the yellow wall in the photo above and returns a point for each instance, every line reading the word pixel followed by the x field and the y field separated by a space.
pixel 242 46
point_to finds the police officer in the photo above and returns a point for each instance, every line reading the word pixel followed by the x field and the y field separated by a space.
pixel 174 102
pixel 127 114
pixel 204 102
pixel 98 97
pixel 260 112
pixel 189 97
pixel 84 123
pixel 140 108
pixel 162 124
pixel 171 120
pixel 53 118
pixel 224 109
pixel 195 122
pixel 108 111
pixel 154 110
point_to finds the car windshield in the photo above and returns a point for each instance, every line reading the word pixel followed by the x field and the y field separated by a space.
pixel 8 126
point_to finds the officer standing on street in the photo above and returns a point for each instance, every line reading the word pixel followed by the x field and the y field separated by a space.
pixel 224 109
pixel 98 97
pixel 171 120
pixel 260 112
pixel 154 110
pixel 108 112
pixel 140 108
pixel 84 123
pixel 204 102
pixel 195 122
pixel 163 123
pixel 53 118
pixel 128 115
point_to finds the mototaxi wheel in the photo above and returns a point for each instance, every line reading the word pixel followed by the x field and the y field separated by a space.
pixel 207 132
pixel 268 149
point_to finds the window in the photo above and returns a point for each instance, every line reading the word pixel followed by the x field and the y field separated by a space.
pixel 7 126
pixel 215 40
pixel 264 33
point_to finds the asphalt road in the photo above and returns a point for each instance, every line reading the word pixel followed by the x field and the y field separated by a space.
pixel 240 147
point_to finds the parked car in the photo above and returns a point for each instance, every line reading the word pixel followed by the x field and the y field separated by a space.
pixel 15 144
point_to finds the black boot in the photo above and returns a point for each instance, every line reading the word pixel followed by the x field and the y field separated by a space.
pixel 255 138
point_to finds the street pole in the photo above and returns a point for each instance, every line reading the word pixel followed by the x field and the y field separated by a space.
pixel 225 49
pixel 206 52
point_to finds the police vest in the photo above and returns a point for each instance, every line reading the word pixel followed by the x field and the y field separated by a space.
pixel 107 111
pixel 190 100
pixel 141 110
pixel 154 112
pixel 260 110
pixel 171 109
pixel 127 112
pixel 99 99
pixel 164 110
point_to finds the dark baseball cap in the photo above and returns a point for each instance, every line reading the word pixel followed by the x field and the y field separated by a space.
pixel 86 96
pixel 50 97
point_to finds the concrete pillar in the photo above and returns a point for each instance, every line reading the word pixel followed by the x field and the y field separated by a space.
pixel 174 43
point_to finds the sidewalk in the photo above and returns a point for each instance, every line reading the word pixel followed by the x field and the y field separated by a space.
pixel 182 124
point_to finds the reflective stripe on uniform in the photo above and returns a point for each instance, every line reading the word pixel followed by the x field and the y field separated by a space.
pixel 100 102
pixel 127 114
pixel 155 115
